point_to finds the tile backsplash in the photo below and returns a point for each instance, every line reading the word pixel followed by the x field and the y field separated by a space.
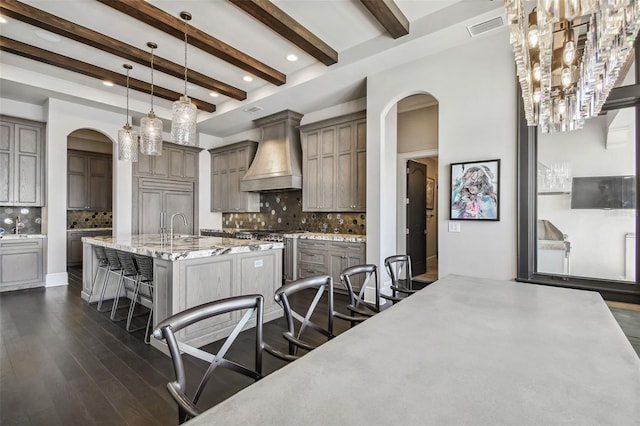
pixel 82 219
pixel 283 211
pixel 31 218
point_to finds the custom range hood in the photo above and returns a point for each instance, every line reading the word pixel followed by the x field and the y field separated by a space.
pixel 278 161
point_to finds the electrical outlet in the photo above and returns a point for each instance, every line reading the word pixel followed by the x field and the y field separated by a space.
pixel 454 226
pixel 257 263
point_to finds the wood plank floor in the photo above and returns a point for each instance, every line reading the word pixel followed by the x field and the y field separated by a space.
pixel 64 363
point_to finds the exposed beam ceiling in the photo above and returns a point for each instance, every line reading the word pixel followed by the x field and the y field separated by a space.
pixel 51 58
pixel 174 26
pixel 54 24
pixel 389 15
pixel 272 16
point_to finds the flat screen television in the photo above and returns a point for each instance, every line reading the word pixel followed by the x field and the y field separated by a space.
pixel 603 192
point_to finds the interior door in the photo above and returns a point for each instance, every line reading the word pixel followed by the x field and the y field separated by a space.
pixel 416 216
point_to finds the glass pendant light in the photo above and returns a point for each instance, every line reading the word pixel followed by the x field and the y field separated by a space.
pixel 150 125
pixel 183 120
pixel 127 137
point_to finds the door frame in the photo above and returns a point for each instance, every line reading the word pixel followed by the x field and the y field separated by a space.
pixel 401 194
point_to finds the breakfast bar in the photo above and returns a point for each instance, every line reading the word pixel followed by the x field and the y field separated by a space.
pixel 463 351
pixel 191 270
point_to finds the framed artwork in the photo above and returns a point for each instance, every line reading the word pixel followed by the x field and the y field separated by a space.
pixel 475 190
pixel 431 185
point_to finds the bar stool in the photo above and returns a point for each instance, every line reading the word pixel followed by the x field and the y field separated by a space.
pixel 145 281
pixel 129 273
pixel 103 265
pixel 114 268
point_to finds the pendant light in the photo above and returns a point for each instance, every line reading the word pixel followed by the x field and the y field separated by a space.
pixel 150 125
pixel 127 137
pixel 183 120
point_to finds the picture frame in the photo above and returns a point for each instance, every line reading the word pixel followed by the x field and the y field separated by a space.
pixel 475 190
pixel 431 186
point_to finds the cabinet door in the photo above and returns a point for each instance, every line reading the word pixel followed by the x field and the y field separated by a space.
pixel 150 204
pixel 99 183
pixel 161 164
pixel 28 148
pixel 288 254
pixel 77 182
pixel 190 170
pixel 176 163
pixel 360 173
pixel 311 170
pixel 217 199
pixel 21 263
pixel 74 249
pixel 6 163
pixel 345 185
pixel 144 165
pixel 179 202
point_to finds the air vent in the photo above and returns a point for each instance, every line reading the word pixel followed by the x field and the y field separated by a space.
pixel 486 26
pixel 253 109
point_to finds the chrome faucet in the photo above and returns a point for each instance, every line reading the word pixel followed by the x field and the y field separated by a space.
pixel 19 225
pixel 183 218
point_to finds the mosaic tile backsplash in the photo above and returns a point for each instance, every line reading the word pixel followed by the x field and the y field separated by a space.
pixel 82 219
pixel 30 217
pixel 283 211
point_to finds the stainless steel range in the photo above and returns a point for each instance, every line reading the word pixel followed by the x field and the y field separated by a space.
pixel 270 236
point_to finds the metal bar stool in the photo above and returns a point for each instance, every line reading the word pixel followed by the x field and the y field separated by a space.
pixel 145 282
pixel 114 268
pixel 129 273
pixel 103 265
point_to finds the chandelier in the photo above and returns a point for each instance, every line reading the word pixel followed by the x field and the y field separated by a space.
pixel 127 137
pixel 183 118
pixel 569 54
pixel 150 125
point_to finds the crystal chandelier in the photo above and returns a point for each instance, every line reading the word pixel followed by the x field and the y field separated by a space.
pixel 569 54
pixel 150 125
pixel 183 120
pixel 127 137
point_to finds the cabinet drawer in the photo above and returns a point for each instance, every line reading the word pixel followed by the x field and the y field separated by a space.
pixel 20 244
pixel 312 257
pixel 306 269
pixel 312 244
pixel 346 247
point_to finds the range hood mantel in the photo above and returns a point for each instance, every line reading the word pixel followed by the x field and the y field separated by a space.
pixel 278 161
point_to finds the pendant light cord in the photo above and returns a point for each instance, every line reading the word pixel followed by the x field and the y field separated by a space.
pixel 186 25
pixel 152 79
pixel 127 97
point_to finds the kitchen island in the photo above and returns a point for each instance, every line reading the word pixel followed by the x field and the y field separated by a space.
pixel 191 270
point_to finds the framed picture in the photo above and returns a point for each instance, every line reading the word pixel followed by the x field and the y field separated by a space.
pixel 475 190
pixel 431 185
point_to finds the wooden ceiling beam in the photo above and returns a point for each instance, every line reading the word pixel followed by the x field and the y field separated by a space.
pixel 159 19
pixel 283 24
pixel 54 24
pixel 70 64
pixel 389 15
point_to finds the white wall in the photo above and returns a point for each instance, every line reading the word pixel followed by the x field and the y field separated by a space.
pixel 597 237
pixel 418 129
pixel 475 87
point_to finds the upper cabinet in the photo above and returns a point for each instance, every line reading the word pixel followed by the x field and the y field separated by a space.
pixel 21 162
pixel 177 162
pixel 334 155
pixel 228 165
pixel 89 181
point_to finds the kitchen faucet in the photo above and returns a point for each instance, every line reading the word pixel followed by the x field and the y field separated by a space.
pixel 19 225
pixel 183 218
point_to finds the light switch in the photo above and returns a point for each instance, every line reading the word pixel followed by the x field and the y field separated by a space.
pixel 454 226
pixel 257 263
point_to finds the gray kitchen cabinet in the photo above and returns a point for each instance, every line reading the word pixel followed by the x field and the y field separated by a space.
pixel 228 166
pixel 320 257
pixel 334 164
pixel 89 181
pixel 21 263
pixel 21 162
pixel 155 196
pixel 289 253
pixel 74 243
pixel 177 162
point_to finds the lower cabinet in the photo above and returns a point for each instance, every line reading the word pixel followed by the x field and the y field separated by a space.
pixel 21 263
pixel 318 257
pixel 74 244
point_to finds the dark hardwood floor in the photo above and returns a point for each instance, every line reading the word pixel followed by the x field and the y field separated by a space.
pixel 64 363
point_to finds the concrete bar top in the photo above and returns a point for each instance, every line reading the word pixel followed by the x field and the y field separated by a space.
pixel 463 351
pixel 181 248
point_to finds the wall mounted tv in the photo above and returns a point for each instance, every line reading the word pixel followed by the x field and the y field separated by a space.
pixel 603 192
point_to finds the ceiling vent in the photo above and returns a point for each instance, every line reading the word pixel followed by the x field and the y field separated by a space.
pixel 486 26
pixel 253 109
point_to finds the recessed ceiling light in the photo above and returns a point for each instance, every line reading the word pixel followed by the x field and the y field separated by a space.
pixel 247 78
pixel 108 83
pixel 46 35
pixel 213 94
pixel 3 20
pixel 292 58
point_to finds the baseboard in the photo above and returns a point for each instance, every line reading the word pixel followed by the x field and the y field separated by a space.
pixel 57 279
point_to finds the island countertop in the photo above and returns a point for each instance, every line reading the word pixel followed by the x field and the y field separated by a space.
pixel 181 248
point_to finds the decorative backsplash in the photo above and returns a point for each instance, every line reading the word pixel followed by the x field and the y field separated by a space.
pixel 30 217
pixel 82 219
pixel 283 211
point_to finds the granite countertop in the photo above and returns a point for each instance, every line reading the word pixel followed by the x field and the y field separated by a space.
pixel 16 237
pixel 184 247
pixel 349 238
pixel 88 229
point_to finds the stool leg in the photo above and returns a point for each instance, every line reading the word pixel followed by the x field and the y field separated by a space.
pixel 147 333
pixel 117 299
pixel 134 300
pixel 104 289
